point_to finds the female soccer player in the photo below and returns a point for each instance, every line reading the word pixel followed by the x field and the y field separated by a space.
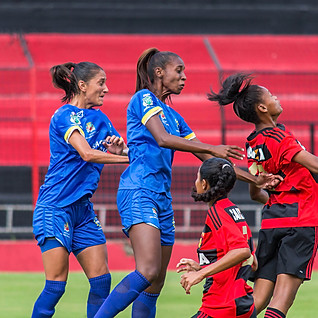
pixel 81 139
pixel 225 248
pixel 288 236
pixel 154 132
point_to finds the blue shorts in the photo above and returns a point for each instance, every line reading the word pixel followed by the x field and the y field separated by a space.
pixel 75 226
pixel 145 206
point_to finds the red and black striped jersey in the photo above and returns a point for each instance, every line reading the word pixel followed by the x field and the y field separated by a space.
pixel 226 294
pixel 294 203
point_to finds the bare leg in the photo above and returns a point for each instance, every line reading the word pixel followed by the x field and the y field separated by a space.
pixel 285 292
pixel 263 292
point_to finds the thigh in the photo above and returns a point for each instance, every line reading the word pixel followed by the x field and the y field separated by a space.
pixel 285 291
pixel 93 260
pixel 145 241
pixel 56 263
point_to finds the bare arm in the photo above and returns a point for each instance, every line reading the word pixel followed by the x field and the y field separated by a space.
pixel 307 159
pixel 229 260
pixel 154 125
pixel 258 194
pixel 91 155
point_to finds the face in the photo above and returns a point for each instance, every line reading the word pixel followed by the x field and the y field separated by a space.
pixel 200 185
pixel 272 103
pixel 96 89
pixel 174 78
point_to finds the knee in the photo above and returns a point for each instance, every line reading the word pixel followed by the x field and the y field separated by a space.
pixel 151 273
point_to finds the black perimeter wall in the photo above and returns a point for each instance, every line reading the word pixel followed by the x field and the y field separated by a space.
pixel 166 16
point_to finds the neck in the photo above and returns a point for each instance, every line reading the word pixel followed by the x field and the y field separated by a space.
pixel 79 102
pixel 269 123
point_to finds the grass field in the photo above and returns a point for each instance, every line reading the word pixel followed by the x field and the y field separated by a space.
pixel 19 291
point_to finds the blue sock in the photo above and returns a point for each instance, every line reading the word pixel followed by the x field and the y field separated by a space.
pixel 100 287
pixel 145 306
pixel 44 307
pixel 123 295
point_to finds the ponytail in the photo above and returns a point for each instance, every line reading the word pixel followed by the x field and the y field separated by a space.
pixel 237 89
pixel 67 75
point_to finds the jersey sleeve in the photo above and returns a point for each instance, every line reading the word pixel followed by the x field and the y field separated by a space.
pixel 66 122
pixel 145 105
pixel 234 236
pixel 185 131
pixel 111 130
pixel 287 149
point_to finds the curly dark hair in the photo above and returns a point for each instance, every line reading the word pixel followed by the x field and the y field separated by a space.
pixel 220 175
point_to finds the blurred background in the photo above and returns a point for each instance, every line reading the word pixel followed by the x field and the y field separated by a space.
pixel 277 41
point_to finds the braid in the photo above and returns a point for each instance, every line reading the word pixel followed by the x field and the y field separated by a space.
pixel 221 177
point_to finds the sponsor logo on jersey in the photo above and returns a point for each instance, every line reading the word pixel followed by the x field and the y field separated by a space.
pixel 147 101
pixel 163 118
pixel 90 127
pixel 75 119
pixel 259 153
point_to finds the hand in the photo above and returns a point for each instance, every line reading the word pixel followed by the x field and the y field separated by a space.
pixel 268 180
pixel 190 279
pixel 225 151
pixel 188 265
pixel 114 145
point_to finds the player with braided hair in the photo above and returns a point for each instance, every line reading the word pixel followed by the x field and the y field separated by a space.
pixel 288 239
pixel 225 251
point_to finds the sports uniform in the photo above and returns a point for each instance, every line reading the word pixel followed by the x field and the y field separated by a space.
pixel 226 294
pixel 63 208
pixel 144 188
pixel 288 236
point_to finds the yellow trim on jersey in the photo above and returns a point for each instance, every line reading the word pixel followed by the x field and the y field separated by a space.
pixel 149 114
pixel 70 130
pixel 190 136
pixel 249 261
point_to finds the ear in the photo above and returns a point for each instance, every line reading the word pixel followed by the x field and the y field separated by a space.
pixel 82 86
pixel 262 108
pixel 204 184
pixel 159 72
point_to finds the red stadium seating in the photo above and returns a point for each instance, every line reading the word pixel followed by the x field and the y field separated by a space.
pixel 286 65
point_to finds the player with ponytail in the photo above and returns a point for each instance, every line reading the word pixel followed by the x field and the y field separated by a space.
pixel 82 140
pixel 288 237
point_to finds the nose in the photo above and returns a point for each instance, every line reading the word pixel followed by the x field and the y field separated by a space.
pixel 105 90
pixel 183 76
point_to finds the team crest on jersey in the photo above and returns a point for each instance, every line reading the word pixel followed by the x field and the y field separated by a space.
pixel 259 153
pixel 90 127
pixel 96 221
pixel 163 118
pixel 75 118
pixel 147 101
pixel 66 227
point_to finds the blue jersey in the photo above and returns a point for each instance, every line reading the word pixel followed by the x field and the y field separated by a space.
pixel 150 165
pixel 69 177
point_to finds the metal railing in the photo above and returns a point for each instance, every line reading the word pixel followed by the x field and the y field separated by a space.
pixel 184 225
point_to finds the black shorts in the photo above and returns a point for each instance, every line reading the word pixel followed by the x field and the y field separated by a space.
pixel 286 251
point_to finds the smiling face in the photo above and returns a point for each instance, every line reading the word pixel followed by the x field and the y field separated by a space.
pixel 95 90
pixel 173 76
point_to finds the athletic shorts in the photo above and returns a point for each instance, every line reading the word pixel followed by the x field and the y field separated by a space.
pixel 286 251
pixel 145 206
pixel 75 226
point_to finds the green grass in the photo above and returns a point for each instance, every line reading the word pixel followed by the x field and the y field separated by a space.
pixel 19 291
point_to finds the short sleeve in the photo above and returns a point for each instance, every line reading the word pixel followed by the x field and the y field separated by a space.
pixel 145 105
pixel 233 235
pixel 287 149
pixel 65 122
pixel 185 131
